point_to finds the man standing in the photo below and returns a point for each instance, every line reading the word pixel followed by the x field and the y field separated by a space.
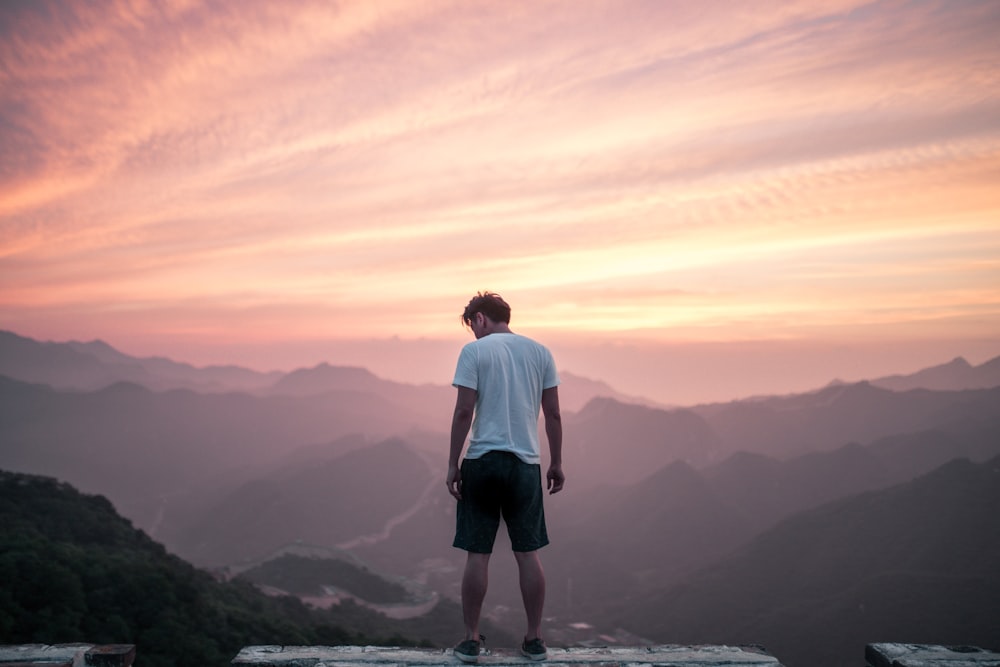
pixel 502 380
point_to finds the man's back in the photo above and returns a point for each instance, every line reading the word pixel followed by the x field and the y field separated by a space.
pixel 509 373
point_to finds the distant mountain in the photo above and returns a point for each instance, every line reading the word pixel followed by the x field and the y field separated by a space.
pixel 766 490
pixel 919 562
pixel 59 365
pixel 640 537
pixel 615 443
pixel 325 378
pixel 576 391
pixel 791 425
pixel 152 452
pixel 615 542
pixel 75 571
pixel 168 374
pixel 955 375
pixel 434 402
pixel 323 501
pixel 95 365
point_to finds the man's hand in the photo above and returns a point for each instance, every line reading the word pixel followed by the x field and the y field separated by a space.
pixel 454 482
pixel 555 479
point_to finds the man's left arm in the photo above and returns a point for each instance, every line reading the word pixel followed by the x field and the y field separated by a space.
pixel 553 432
pixel 461 422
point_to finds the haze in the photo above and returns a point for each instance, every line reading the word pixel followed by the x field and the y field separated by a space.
pixel 692 201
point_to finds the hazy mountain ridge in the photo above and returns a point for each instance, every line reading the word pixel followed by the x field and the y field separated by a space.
pixel 316 501
pixel 646 535
pixel 914 562
pixel 790 425
pixel 623 443
pixel 95 364
pixel 137 445
pixel 955 375
pixel 655 533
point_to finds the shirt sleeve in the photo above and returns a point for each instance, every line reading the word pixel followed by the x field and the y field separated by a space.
pixel 551 377
pixel 467 370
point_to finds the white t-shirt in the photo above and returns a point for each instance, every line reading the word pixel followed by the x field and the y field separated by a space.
pixel 508 372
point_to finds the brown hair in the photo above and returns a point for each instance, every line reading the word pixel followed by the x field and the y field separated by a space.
pixel 489 304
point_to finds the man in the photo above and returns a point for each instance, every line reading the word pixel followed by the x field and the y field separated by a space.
pixel 502 380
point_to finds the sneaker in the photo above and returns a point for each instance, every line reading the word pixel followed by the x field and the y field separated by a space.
pixel 468 650
pixel 534 649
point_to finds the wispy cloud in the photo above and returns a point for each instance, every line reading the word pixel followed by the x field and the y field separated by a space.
pixel 713 169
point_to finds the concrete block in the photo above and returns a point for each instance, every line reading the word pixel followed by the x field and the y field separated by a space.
pixel 67 655
pixel 381 656
pixel 110 655
pixel 929 655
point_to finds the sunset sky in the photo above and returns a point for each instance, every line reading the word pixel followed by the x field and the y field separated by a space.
pixel 796 191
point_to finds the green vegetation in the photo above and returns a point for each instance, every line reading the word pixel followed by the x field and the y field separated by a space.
pixel 73 570
pixel 307 576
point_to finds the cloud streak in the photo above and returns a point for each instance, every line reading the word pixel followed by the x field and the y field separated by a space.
pixel 642 168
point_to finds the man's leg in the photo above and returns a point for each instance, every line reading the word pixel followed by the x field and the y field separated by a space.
pixel 532 579
pixel 474 583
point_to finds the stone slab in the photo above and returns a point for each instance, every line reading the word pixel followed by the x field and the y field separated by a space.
pixel 110 655
pixel 929 655
pixel 357 656
pixel 43 654
pixel 67 655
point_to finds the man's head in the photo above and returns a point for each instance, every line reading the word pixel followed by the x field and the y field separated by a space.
pixel 491 305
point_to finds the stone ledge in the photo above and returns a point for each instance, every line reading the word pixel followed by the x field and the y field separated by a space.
pixel 929 655
pixel 67 655
pixel 653 656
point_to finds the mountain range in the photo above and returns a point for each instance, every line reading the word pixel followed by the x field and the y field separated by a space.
pixel 916 562
pixel 226 466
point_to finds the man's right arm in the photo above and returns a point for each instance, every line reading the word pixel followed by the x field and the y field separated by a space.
pixel 461 422
pixel 553 431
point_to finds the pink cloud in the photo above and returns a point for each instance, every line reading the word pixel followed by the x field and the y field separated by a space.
pixel 304 157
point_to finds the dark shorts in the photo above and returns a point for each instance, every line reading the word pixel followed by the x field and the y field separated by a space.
pixel 494 485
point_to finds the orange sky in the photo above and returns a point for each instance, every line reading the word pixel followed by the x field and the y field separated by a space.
pixel 252 181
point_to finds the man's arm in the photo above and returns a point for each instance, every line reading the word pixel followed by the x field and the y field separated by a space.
pixel 461 421
pixel 553 431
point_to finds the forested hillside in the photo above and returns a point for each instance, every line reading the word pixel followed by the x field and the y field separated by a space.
pixel 74 570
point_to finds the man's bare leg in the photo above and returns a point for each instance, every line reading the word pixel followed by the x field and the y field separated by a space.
pixel 474 584
pixel 532 579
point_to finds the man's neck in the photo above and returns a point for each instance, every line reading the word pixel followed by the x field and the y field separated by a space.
pixel 497 327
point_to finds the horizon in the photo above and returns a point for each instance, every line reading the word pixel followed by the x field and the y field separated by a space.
pixel 737 200
pixel 682 374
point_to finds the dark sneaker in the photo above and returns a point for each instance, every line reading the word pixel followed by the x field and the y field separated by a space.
pixel 468 651
pixel 534 649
